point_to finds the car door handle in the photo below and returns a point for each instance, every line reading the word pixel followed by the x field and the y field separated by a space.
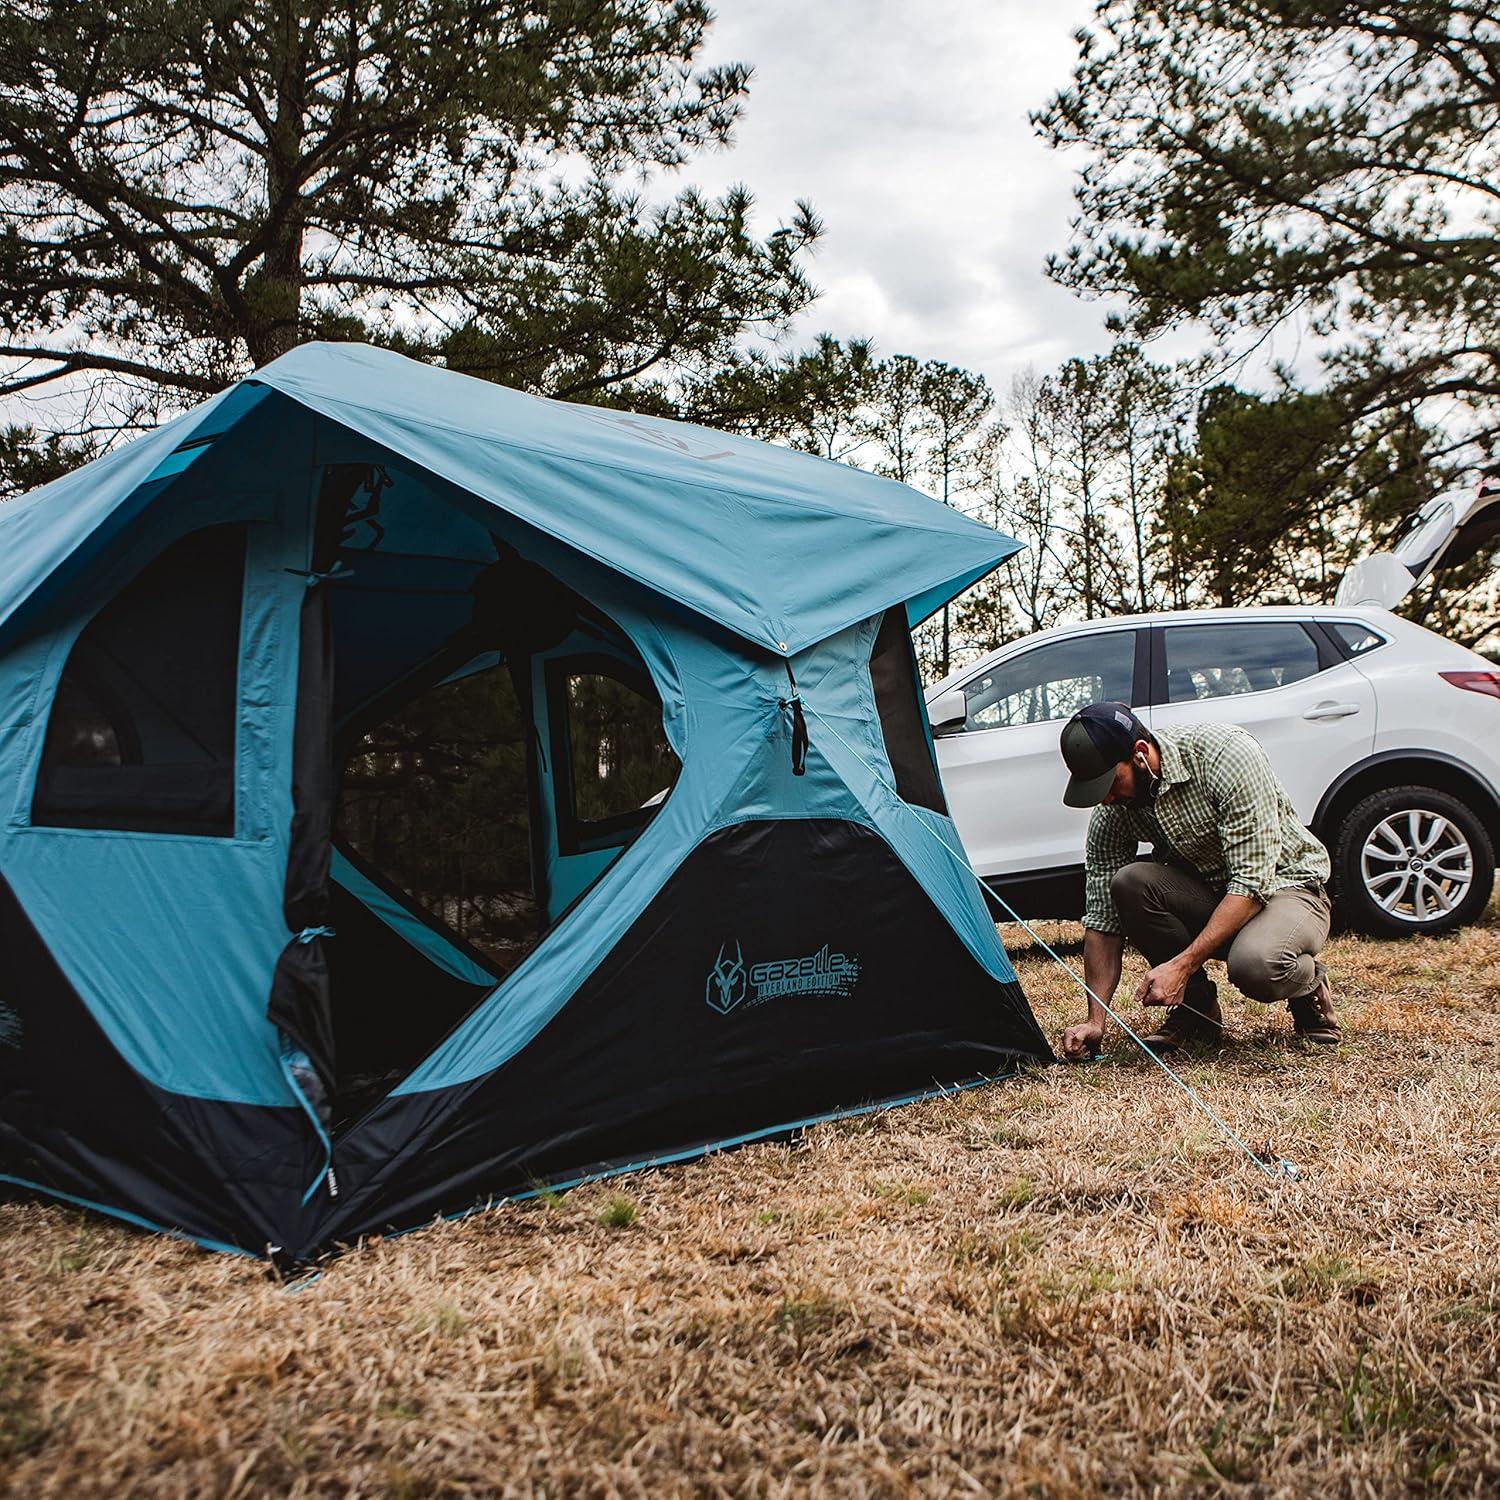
pixel 1331 710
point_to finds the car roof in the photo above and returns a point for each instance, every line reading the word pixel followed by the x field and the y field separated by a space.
pixel 1371 612
pixel 1234 612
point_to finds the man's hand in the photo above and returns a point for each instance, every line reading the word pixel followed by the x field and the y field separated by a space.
pixel 1102 953
pixel 1081 1042
pixel 1164 985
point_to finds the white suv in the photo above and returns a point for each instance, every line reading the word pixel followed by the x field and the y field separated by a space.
pixel 1386 736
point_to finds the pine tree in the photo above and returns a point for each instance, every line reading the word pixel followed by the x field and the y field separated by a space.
pixel 189 189
pixel 956 407
pixel 1332 162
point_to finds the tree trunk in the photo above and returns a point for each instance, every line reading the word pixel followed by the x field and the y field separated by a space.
pixel 277 291
pixel 278 298
pixel 1136 525
pixel 1088 551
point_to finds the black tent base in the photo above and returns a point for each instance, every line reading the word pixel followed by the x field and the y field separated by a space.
pixel 884 1005
pixel 789 970
pixel 18 1190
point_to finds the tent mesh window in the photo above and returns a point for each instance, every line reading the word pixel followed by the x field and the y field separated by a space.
pixel 614 761
pixel 435 800
pixel 898 701
pixel 141 735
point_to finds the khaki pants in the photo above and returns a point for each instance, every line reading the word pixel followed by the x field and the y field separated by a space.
pixel 1272 957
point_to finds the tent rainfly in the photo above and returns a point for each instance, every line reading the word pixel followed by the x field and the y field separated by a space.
pixel 237 1002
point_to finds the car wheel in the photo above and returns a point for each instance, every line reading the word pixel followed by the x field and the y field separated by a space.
pixel 1412 859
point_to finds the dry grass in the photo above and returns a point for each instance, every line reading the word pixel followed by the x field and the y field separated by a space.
pixel 1058 1286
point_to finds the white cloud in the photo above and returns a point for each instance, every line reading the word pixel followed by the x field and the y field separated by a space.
pixel 906 126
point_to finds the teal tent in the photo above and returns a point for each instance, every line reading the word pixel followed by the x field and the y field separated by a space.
pixel 219 1014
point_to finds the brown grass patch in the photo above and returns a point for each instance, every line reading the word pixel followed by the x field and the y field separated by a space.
pixel 1066 1284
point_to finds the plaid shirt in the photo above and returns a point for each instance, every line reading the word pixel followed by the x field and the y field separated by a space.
pixel 1220 809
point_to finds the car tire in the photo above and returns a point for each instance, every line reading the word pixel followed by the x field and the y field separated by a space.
pixel 1410 860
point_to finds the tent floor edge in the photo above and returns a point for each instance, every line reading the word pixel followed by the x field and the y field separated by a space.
pixel 40 1191
pixel 677 1156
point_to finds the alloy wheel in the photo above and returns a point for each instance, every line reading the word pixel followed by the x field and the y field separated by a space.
pixel 1417 865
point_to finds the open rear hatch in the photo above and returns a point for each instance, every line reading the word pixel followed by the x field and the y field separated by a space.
pixel 1446 533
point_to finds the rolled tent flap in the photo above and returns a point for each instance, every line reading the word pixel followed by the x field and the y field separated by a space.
pixel 300 1005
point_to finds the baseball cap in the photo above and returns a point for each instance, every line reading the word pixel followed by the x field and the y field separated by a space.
pixel 1094 742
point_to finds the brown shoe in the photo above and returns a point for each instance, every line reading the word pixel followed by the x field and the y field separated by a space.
pixel 1193 1021
pixel 1312 1014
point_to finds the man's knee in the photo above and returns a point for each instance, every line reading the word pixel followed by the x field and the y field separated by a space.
pixel 1267 975
pixel 1131 884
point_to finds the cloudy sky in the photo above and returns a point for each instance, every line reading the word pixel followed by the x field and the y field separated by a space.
pixel 905 125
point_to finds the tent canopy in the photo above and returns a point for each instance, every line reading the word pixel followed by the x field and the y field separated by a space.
pixel 678 508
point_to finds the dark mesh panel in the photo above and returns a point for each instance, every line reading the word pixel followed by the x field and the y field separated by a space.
pixel 435 800
pixel 391 1006
pixel 142 729
pixel 898 700
pixel 614 764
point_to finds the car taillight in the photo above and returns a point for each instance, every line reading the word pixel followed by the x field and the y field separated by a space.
pixel 1487 683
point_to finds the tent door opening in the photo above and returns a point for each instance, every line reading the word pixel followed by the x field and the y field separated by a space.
pixel 483 786
pixel 431 888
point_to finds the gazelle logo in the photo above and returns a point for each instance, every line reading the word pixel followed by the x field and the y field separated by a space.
pixel 10 1027
pixel 726 981
pixel 731 984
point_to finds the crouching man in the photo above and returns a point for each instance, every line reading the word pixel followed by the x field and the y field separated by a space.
pixel 1232 875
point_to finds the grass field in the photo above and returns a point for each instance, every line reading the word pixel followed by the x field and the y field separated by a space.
pixel 1061 1285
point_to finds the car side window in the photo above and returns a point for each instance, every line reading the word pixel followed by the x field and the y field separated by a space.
pixel 1222 661
pixel 1052 681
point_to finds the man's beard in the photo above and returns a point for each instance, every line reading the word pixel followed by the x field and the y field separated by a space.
pixel 1143 785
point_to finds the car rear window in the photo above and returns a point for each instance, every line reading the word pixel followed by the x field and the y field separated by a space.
pixel 1357 639
pixel 1221 661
